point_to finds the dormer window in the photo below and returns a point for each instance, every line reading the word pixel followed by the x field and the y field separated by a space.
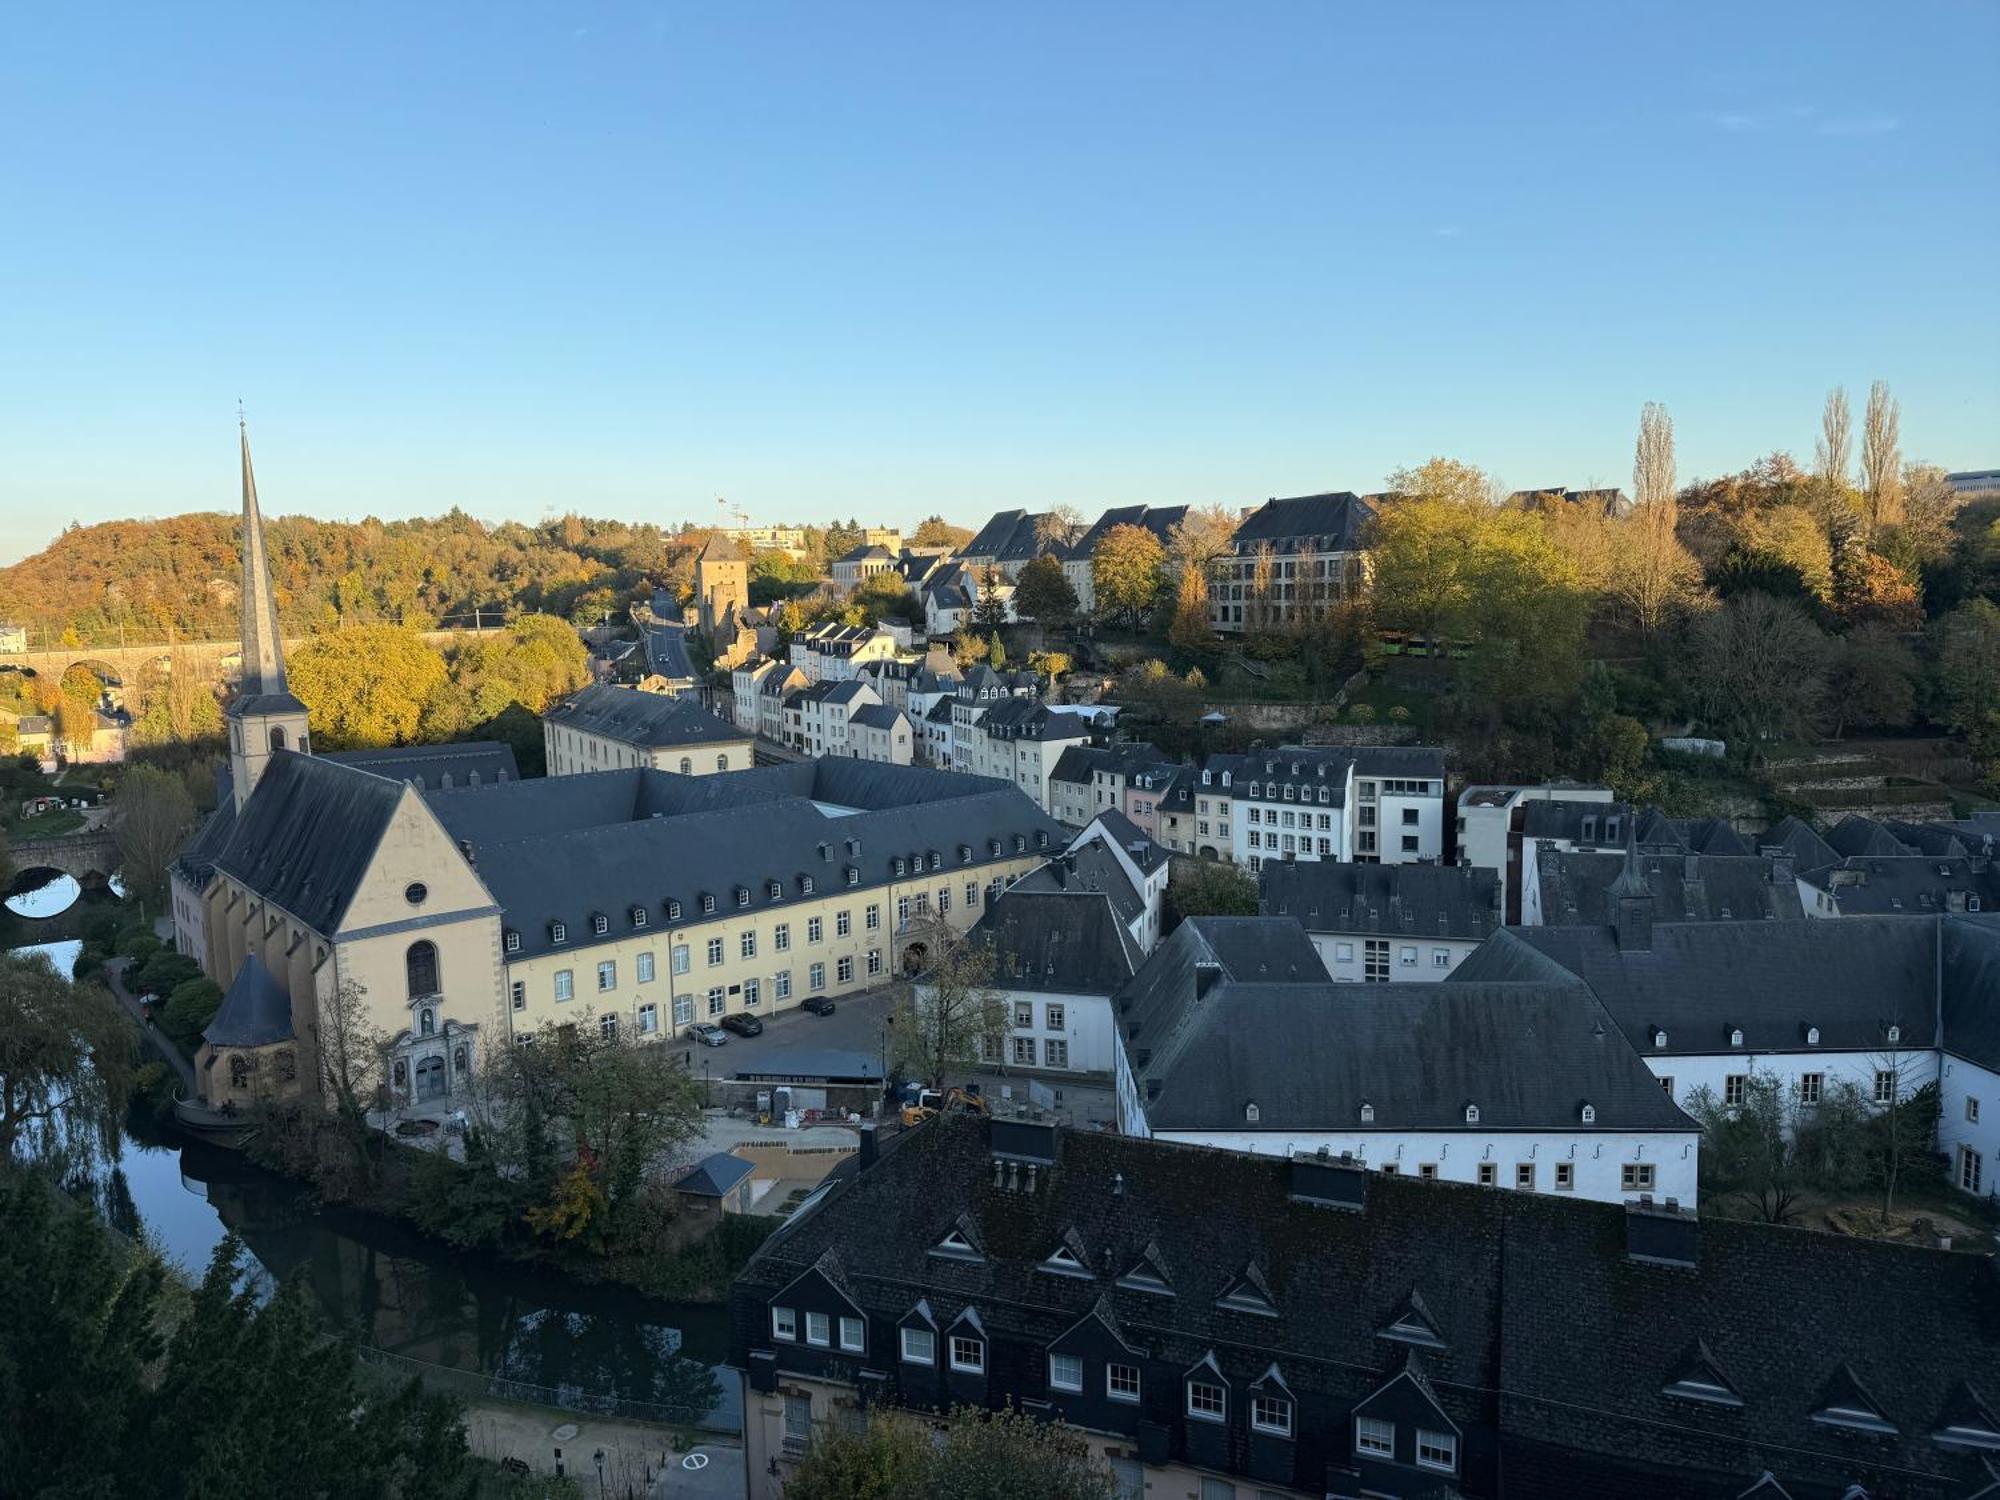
pixel 743 895
pixel 1472 1114
pixel 853 875
pixel 775 890
pixel 993 847
pixel 638 916
pixel 937 860
pixel 1206 779
pixel 1207 1395
pixel 512 941
pixel 1697 1378
pixel 673 911
pixel 1844 1404
pixel 956 1245
pixel 599 923
pixel 1367 1114
pixel 1250 1113
pixel 707 904
pixel 1271 1412
pixel 1895 1033
pixel 1020 843
pixel 558 933
pixel 1063 1261
pixel 1659 1037
pixel 1588 1114
pixel 897 865
pixel 1736 1036
pixel 1812 1036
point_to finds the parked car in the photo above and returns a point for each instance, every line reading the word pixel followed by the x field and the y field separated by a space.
pixel 707 1035
pixel 817 1005
pixel 743 1025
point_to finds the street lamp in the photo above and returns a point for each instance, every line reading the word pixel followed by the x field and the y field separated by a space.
pixel 600 1472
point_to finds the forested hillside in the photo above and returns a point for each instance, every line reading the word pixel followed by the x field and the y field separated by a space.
pixel 179 573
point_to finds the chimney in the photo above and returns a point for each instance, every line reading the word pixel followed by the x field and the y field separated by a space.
pixel 1783 870
pixel 869 1149
pixel 1633 922
pixel 1661 1235
pixel 1206 976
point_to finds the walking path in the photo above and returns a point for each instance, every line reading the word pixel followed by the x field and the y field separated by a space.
pixel 114 978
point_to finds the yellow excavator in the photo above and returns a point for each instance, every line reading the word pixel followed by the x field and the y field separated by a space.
pixel 930 1102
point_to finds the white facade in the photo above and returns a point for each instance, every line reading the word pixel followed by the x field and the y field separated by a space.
pixel 1485 814
pixel 1814 1072
pixel 835 653
pixel 1969 1124
pixel 572 751
pixel 1151 885
pixel 1057 1033
pixel 817 721
pixel 1390 958
pixel 892 744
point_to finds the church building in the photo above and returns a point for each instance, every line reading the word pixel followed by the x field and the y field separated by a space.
pixel 394 913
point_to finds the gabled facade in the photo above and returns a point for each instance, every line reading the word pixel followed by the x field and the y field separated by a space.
pixel 1219 1324
pixel 604 728
pixel 1291 560
pixel 1385 924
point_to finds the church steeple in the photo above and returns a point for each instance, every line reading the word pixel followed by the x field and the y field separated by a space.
pixel 264 717
pixel 263 650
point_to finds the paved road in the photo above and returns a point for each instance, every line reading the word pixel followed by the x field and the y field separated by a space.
pixel 114 977
pixel 859 1023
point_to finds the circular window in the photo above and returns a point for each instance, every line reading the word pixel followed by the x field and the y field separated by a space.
pixel 415 892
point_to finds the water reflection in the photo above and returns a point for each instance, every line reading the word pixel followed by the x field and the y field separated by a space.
pixel 560 1340
pixel 54 896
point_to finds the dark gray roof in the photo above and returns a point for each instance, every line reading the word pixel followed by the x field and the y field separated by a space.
pixel 255 1012
pixel 1127 835
pixel 1800 840
pixel 1087 867
pixel 866 551
pixel 567 848
pixel 877 716
pixel 1158 519
pixel 649 720
pixel 1689 835
pixel 1855 834
pixel 1697 981
pixel 1554 1345
pixel 306 836
pixel 1309 1053
pixel 1065 941
pixel 489 761
pixel 1333 522
pixel 995 534
pixel 1909 883
pixel 1969 997
pixel 1419 901
pixel 1025 719
pixel 1608 824
pixel 1576 887
pixel 714 1176
pixel 196 861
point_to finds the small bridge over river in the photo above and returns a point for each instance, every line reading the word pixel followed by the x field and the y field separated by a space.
pixel 90 855
pixel 217 661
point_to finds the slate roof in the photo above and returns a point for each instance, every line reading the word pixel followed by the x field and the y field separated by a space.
pixel 1309 1052
pixel 1127 835
pixel 1914 884
pixel 648 720
pixel 1087 867
pixel 714 1176
pixel 1855 834
pixel 1332 522
pixel 256 1010
pixel 1025 719
pixel 1969 997
pixel 1698 981
pixel 1605 823
pixel 1419 901
pixel 865 552
pixel 196 861
pixel 1009 537
pixel 566 848
pixel 1576 887
pixel 427 765
pixel 1067 942
pixel 306 836
pixel 1548 1330
pixel 1158 519
pixel 722 547
pixel 877 716
pixel 1800 840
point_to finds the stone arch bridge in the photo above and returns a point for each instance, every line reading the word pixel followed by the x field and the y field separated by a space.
pixel 218 661
pixel 90 855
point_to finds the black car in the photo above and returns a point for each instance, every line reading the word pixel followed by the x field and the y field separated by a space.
pixel 743 1025
pixel 818 1005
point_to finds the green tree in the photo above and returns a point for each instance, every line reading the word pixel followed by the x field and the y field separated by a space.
pixel 1044 594
pixel 1873 680
pixel 190 1006
pixel 1757 666
pixel 1206 888
pixel 979 1455
pixel 151 815
pixel 996 654
pixel 885 596
pixel 1968 676
pixel 1444 479
pixel 65 1065
pixel 367 685
pixel 935 531
pixel 1751 1151
pixel 534 661
pixel 949 1016
pixel 989 610
pixel 1127 571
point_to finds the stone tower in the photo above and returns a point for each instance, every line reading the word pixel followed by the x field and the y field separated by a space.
pixel 264 716
pixel 721 586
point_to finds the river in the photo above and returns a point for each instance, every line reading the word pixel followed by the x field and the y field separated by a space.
pixel 536 1334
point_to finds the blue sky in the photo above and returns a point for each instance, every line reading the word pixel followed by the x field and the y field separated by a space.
pixel 893 259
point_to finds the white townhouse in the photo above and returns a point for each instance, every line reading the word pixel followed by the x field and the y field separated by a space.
pixel 1232 1036
pixel 836 653
pixel 1366 804
pixel 1488 813
pixel 604 728
pixel 880 733
pixel 1020 740
pixel 1385 924
pixel 817 718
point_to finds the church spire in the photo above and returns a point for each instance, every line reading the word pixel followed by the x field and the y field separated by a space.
pixel 263 651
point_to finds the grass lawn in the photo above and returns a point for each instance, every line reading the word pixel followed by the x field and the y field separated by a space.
pixel 52 824
pixel 1382 694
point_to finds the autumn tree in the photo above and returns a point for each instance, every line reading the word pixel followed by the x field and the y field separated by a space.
pixel 1206 888
pixel 1758 667
pixel 65 1066
pixel 887 596
pixel 1059 528
pixel 935 531
pixel 949 1015
pixel 1930 506
pixel 1044 594
pixel 1444 479
pixel 1126 571
pixel 367 685
pixel 1832 453
pixel 151 815
pixel 1882 455
pixel 1189 630
pixel 1653 457
pixel 1780 549
pixel 1199 539
pixel 534 661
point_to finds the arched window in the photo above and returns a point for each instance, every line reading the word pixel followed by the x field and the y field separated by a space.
pixel 458 1061
pixel 239 1071
pixel 421 965
pixel 277 736
pixel 472 779
pixel 721 762
pixel 687 766
pixel 402 1074
pixel 444 781
pixel 427 1022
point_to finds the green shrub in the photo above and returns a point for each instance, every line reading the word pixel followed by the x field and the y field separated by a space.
pixel 163 973
pixel 139 945
pixel 189 1009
